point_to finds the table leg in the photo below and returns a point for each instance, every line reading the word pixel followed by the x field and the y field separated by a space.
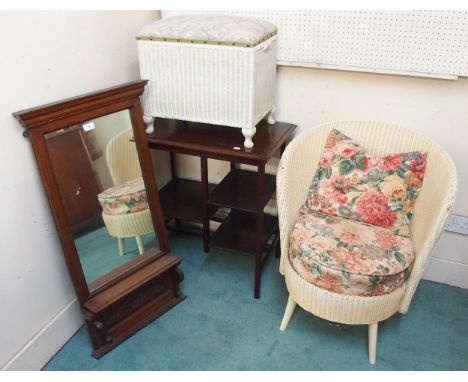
pixel 259 228
pixel 204 194
pixel 283 147
pixel 173 158
pixel 278 249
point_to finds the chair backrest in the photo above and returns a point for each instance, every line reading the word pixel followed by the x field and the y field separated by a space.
pixel 437 194
pixel 122 158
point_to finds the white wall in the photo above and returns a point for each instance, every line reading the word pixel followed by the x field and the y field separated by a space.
pixel 46 56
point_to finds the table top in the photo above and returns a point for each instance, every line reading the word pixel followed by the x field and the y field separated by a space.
pixel 219 142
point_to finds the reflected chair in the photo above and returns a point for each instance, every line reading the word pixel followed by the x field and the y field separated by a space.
pixel 434 203
pixel 124 166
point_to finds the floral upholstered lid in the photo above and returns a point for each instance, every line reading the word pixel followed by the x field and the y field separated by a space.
pixel 209 29
pixel 129 187
pixel 125 198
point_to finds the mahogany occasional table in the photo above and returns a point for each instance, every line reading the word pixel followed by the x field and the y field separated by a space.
pixel 246 229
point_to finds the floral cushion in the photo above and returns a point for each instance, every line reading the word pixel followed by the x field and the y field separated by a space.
pixel 348 257
pixel 353 184
pixel 125 198
pixel 215 29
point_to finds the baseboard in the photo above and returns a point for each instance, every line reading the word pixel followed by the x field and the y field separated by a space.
pixel 447 272
pixel 45 343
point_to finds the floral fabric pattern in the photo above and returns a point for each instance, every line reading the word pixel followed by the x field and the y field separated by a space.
pixel 348 257
pixel 229 30
pixel 353 184
pixel 125 198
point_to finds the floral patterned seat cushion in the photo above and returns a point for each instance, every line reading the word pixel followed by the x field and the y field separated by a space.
pixel 348 257
pixel 353 184
pixel 125 198
pixel 212 29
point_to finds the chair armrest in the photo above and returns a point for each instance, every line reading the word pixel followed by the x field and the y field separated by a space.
pixel 431 213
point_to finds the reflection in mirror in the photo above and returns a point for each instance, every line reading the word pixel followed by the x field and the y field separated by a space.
pixel 99 178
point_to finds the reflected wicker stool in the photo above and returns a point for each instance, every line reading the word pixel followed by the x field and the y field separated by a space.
pixel 129 225
pixel 124 166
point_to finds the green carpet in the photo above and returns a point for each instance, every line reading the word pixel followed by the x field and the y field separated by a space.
pixel 220 326
pixel 99 252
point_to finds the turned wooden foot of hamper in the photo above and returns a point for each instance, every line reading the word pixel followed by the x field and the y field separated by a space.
pixel 248 135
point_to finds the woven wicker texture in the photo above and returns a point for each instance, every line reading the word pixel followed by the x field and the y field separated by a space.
pixel 433 206
pixel 129 225
pixel 123 163
pixel 339 307
pixel 220 85
pixel 122 158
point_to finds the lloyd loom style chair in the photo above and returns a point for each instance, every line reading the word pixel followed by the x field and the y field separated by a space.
pixel 431 210
pixel 125 208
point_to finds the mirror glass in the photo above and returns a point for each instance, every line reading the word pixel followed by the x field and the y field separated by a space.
pixel 99 178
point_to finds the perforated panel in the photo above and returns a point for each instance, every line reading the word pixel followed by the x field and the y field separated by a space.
pixel 422 43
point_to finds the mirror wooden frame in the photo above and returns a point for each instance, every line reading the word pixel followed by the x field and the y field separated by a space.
pixel 126 299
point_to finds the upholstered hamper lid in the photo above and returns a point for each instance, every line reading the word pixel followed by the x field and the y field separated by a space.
pixel 209 29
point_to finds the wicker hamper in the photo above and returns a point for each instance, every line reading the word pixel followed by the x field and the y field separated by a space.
pixel 212 69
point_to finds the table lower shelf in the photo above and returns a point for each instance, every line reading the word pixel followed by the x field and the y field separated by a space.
pixel 240 237
pixel 238 190
pixel 181 199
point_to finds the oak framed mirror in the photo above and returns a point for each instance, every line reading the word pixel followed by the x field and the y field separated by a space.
pixel 96 168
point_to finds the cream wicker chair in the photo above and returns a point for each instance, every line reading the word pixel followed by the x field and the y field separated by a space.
pixel 122 161
pixel 296 170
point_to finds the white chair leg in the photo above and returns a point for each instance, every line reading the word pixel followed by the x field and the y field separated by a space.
pixel 141 248
pixel 120 240
pixel 373 342
pixel 288 313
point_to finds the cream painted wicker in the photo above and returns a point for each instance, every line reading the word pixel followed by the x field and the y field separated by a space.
pixel 433 206
pixel 122 161
pixel 209 81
